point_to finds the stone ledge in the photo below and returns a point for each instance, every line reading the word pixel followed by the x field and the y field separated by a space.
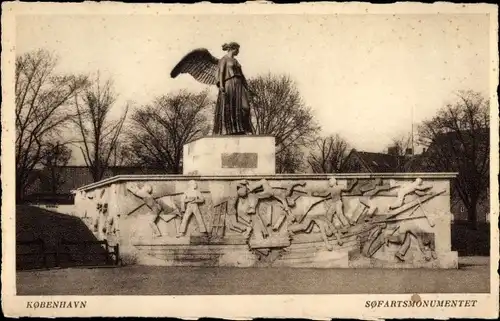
pixel 168 177
pixel 231 136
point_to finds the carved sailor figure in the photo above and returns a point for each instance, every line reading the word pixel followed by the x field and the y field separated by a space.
pixel 417 187
pixel 334 191
pixel 191 199
pixel 234 219
pixel 325 226
pixel 263 190
pixel 157 209
pixel 368 191
pixel 248 200
pixel 404 238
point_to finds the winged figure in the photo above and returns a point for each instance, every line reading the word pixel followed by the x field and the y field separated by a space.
pixel 200 64
pixel 232 112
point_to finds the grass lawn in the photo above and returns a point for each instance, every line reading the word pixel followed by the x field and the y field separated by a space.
pixel 472 277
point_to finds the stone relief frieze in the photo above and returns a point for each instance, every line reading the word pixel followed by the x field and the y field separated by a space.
pixel 265 216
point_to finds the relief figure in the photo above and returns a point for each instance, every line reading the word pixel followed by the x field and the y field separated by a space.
pixel 190 201
pixel 291 201
pixel 159 210
pixel 417 187
pixel 263 190
pixel 425 242
pixel 249 196
pixel 101 219
pixel 369 190
pixel 334 192
pixel 402 235
pixel 235 212
pixel 325 226
pixel 312 211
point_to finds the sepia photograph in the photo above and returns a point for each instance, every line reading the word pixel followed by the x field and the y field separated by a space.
pixel 189 157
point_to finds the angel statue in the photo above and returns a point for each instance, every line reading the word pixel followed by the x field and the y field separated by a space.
pixel 232 111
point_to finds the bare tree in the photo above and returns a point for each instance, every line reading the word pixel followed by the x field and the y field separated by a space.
pixel 458 141
pixel 290 160
pixel 54 156
pixel 401 148
pixel 99 133
pixel 122 153
pixel 400 145
pixel 42 109
pixel 279 111
pixel 160 130
pixel 328 154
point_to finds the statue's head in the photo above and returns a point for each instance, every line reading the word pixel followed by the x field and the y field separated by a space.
pixel 332 181
pixel 233 47
pixel 418 181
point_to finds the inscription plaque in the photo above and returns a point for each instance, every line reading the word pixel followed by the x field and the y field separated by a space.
pixel 239 160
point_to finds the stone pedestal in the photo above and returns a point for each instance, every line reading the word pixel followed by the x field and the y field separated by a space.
pixel 230 155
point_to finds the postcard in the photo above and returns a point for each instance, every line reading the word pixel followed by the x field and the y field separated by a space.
pixel 313 160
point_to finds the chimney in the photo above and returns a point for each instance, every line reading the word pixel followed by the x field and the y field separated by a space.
pixel 409 152
pixel 392 150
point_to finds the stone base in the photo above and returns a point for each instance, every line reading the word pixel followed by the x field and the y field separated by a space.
pixel 298 256
pixel 238 256
pixel 230 155
pixel 447 260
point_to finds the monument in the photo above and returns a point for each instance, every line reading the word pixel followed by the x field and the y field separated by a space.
pixel 230 208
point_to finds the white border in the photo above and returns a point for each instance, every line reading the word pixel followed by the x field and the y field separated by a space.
pixel 306 306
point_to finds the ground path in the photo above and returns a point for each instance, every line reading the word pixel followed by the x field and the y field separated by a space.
pixel 471 277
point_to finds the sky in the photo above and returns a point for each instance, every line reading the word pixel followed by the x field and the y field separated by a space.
pixel 365 77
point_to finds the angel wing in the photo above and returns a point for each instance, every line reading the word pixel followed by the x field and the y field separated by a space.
pixel 200 64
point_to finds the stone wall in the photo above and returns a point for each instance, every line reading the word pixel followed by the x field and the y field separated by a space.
pixel 344 221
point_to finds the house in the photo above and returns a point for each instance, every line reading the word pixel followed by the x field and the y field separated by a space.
pixel 368 162
pixel 51 188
